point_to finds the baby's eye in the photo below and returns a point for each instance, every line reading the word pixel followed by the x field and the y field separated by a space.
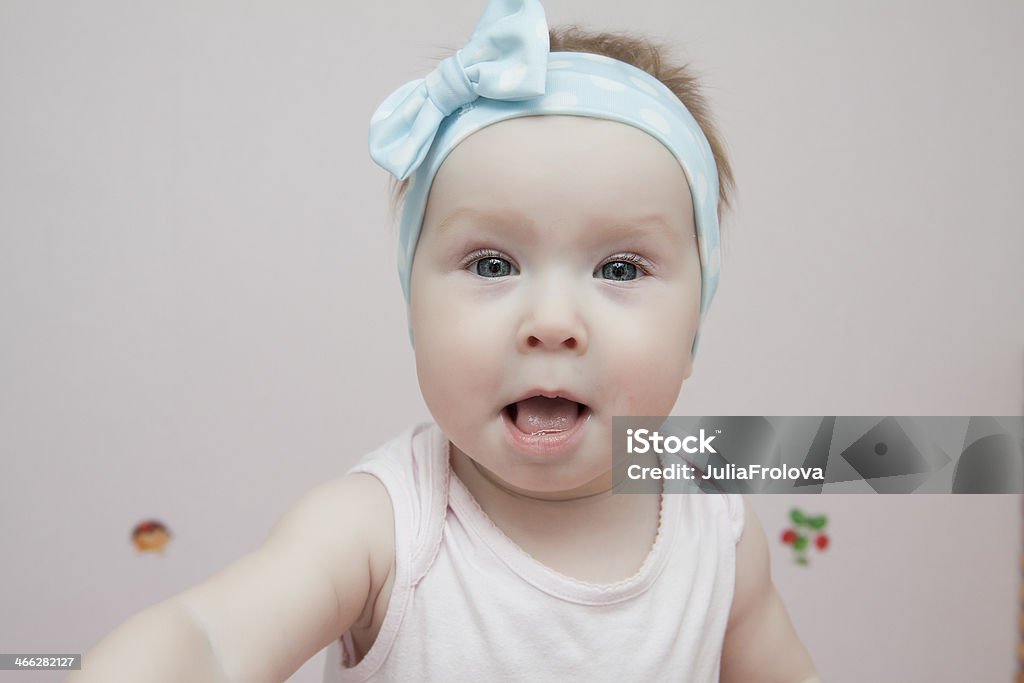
pixel 618 270
pixel 622 269
pixel 493 266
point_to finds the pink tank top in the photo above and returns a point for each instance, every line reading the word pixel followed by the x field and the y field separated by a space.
pixel 468 604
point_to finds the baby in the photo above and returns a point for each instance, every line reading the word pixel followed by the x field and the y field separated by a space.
pixel 559 249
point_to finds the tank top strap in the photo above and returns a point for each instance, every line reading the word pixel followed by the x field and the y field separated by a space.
pixel 413 468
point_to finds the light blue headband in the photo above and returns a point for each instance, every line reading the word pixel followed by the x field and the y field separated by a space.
pixel 506 71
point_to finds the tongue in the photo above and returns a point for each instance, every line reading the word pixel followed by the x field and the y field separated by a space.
pixel 542 415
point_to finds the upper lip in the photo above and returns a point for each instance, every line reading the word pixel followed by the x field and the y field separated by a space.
pixel 549 393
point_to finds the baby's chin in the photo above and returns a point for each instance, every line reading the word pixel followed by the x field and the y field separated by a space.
pixel 571 491
pixel 566 480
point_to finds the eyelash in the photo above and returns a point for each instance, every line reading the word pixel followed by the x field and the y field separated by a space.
pixel 643 265
pixel 481 254
pixel 640 262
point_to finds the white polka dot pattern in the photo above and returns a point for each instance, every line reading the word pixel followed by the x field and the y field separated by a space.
pixel 560 100
pixel 656 120
pixel 512 77
pixel 643 85
pixel 607 83
pixel 484 52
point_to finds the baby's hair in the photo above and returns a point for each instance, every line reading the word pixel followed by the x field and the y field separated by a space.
pixel 653 58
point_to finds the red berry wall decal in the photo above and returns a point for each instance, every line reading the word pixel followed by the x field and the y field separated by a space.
pixel 805 529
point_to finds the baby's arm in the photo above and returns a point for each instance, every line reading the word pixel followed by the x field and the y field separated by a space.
pixel 760 641
pixel 263 616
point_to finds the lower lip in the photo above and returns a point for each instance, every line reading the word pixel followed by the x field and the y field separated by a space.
pixel 545 445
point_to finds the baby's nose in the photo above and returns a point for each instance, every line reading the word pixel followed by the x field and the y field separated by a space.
pixel 553 319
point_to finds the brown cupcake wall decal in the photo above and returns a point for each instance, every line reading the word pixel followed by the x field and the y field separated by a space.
pixel 150 536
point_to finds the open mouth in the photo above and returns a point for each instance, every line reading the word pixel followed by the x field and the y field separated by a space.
pixel 539 415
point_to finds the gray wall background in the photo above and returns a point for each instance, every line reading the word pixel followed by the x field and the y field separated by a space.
pixel 201 318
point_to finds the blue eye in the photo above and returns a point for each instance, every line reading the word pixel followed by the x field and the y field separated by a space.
pixel 619 270
pixel 492 266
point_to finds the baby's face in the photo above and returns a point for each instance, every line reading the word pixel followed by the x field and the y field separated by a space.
pixel 558 257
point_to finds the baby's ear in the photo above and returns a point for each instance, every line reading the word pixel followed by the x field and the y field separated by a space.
pixel 688 368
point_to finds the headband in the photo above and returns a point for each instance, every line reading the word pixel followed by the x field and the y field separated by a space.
pixel 506 71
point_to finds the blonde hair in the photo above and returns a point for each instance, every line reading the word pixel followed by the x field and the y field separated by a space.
pixel 653 58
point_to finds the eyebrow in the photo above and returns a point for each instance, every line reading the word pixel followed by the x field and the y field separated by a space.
pixel 613 228
pixel 470 215
pixel 639 226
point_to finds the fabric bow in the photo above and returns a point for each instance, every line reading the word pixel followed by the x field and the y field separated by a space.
pixel 505 59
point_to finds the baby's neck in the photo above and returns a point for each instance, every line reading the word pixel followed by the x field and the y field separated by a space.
pixel 571 535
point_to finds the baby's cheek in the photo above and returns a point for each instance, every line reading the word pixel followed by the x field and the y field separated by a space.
pixel 458 367
pixel 646 369
pixel 646 386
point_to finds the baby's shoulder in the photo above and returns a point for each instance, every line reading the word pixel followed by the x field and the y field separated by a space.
pixel 376 517
pixel 358 501
pixel 347 514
